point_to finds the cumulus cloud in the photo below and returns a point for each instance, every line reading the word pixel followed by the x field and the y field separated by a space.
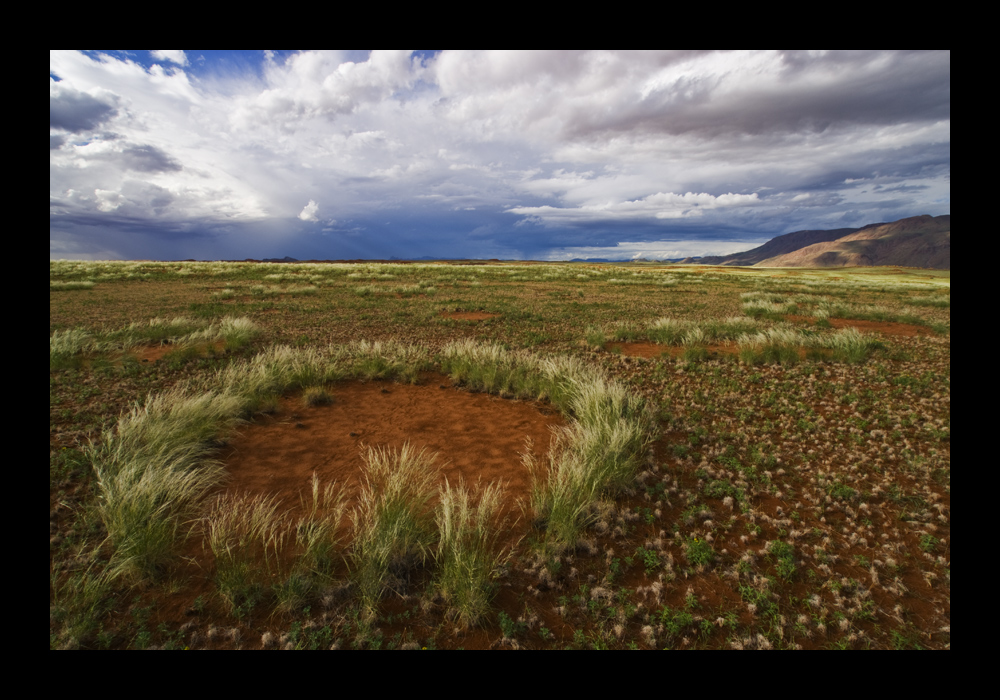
pixel 315 84
pixel 308 212
pixel 148 159
pixel 175 56
pixel 75 111
pixel 108 200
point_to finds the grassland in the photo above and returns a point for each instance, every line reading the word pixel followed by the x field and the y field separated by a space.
pixel 777 477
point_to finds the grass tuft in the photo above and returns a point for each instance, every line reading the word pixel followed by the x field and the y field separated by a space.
pixel 393 526
pixel 318 532
pixel 146 504
pixel 468 554
pixel 66 347
pixel 245 533
pixel 152 472
pixel 316 396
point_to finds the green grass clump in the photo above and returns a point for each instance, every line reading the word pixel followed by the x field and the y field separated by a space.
pixel 393 525
pixel 187 336
pixel 563 496
pixel 146 505
pixel 66 348
pixel 245 533
pixel 160 330
pixel 172 423
pixel 318 532
pixel 468 555
pixel 237 332
pixel 316 396
pixel 595 338
pixel 628 333
pixel 284 368
pixel 227 293
pixel 773 310
pixel 695 353
pixel 614 431
pixel 383 360
pixel 783 554
pixel 772 346
pixel 271 373
pixel 152 472
pixel 851 346
pixel 66 286
pixel 491 368
pixel 79 602
pixel 668 331
pixel 671 331
pixel 941 302
pixel 598 454
pixel 319 542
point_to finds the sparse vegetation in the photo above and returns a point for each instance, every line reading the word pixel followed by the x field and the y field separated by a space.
pixel 778 479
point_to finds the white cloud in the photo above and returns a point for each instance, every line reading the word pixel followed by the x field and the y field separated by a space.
pixel 175 56
pixel 108 200
pixel 308 212
pixel 662 205
pixel 655 250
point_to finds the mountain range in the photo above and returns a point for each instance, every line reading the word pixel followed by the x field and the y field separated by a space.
pixel 917 241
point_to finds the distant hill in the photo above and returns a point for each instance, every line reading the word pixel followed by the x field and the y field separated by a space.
pixel 918 241
pixel 779 245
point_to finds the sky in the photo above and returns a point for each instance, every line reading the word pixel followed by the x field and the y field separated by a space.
pixel 551 155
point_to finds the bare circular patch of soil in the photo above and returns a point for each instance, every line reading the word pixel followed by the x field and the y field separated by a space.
pixel 905 330
pixel 154 353
pixel 638 349
pixel 885 327
pixel 475 436
pixel 469 315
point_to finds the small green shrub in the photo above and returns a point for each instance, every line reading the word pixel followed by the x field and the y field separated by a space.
pixel 699 552
pixel 316 396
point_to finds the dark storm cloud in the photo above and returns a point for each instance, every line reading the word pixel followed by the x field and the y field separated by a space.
pixel 900 188
pixel 148 159
pixel 76 111
pixel 812 94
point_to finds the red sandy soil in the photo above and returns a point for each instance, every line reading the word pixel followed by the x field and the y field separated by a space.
pixel 476 436
pixel 468 315
pixel 638 349
pixel 154 353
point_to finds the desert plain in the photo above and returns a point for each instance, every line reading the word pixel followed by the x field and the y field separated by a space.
pixel 496 455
